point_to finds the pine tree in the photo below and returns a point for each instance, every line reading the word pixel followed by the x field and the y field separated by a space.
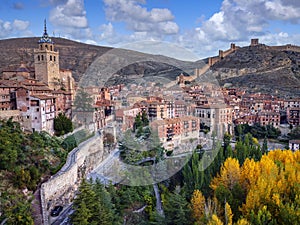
pixel 83 101
pixel 177 210
pixel 264 148
pixel 81 215
pixel 103 213
pixel 83 204
pixel 193 175
pixel 145 119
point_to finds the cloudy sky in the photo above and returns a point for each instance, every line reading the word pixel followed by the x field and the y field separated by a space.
pixel 191 29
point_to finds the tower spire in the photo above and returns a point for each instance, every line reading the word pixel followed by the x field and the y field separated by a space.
pixel 45 38
pixel 45 26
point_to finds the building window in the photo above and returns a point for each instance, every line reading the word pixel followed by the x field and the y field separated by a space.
pixel 37 109
pixel 39 58
pixel 42 57
pixel 50 57
pixel 54 58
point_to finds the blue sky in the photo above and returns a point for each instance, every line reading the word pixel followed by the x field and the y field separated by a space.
pixel 188 30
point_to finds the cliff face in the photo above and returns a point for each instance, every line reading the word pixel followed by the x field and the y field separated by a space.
pixel 261 68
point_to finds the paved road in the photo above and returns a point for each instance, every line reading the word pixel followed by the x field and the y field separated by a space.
pixel 63 218
pixel 108 169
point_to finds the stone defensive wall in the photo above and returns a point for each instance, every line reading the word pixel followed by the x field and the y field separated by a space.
pixel 61 188
pixel 222 54
pixel 287 47
pixel 254 42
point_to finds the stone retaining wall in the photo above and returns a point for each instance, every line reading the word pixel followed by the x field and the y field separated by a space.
pixel 61 188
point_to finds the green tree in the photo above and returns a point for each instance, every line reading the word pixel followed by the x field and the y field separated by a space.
pixel 19 211
pixel 62 124
pixel 295 133
pixel 229 152
pixel 103 212
pixel 69 143
pixel 193 175
pixel 82 214
pixel 137 122
pixel 241 152
pixel 145 119
pixel 84 204
pixel 226 141
pixel 177 210
pixel 83 101
pixel 11 139
pixel 264 148
pixel 262 217
pixel 156 219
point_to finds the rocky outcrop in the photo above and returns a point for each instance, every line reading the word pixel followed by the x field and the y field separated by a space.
pixel 261 69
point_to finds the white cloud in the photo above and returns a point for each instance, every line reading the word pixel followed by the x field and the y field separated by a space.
pixel 20 24
pixel 160 15
pixel 69 19
pixel 107 32
pixel 236 21
pixel 58 2
pixel 155 22
pixel 71 14
pixel 162 48
pixel 15 28
pixel 283 10
pixel 240 20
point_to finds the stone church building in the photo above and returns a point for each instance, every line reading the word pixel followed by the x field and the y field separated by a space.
pixel 38 93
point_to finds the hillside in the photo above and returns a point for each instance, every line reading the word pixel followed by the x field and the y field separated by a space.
pixel 73 55
pixel 78 57
pixel 261 68
pixel 255 68
pixel 125 66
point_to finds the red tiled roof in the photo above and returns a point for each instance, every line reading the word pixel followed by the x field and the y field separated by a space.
pixel 43 97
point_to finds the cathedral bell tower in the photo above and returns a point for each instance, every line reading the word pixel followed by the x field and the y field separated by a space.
pixel 46 61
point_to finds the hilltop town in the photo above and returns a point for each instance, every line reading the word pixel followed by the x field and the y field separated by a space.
pixel 34 96
pixel 187 112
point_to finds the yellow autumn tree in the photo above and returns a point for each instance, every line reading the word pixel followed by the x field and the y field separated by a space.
pixel 242 222
pixel 230 174
pixel 275 186
pixel 215 220
pixel 250 172
pixel 263 187
pixel 198 206
pixel 228 214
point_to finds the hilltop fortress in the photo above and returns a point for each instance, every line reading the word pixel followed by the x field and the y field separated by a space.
pixel 254 42
pixel 181 79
